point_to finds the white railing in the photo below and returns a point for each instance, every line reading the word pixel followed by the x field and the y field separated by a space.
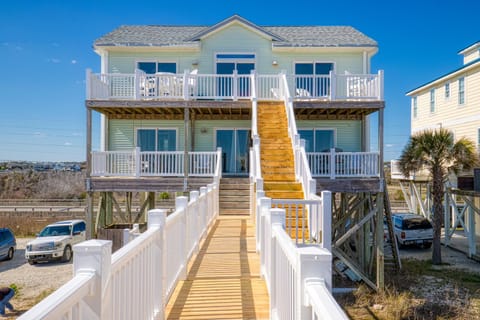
pixel 161 163
pixel 115 163
pixel 136 281
pixel 202 163
pixel 298 278
pixel 138 163
pixel 335 164
pixel 359 86
pixel 140 85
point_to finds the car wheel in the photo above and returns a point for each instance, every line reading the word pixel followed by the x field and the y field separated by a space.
pixel 400 246
pixel 10 254
pixel 67 254
pixel 31 262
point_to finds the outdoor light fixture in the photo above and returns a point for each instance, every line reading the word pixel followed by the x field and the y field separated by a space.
pixel 275 62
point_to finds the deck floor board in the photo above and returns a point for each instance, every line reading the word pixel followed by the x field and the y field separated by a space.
pixel 223 280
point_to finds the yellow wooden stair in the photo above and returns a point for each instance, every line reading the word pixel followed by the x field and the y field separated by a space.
pixel 277 161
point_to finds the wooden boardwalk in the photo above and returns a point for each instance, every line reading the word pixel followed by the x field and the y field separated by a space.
pixel 224 280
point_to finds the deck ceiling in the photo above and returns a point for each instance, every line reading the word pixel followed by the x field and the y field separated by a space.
pixel 205 109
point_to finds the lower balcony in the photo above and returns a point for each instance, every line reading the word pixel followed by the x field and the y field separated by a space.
pixel 138 163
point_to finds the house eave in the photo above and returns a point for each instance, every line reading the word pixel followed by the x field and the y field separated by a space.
pixel 289 49
pixel 472 65
pixel 147 48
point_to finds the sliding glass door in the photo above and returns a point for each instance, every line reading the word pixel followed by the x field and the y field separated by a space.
pixel 235 144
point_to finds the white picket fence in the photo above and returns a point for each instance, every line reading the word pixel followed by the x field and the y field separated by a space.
pixel 137 280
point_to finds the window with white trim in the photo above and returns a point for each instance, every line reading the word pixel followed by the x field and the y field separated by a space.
pixel 157 139
pixel 318 140
pixel 461 90
pixel 152 67
pixel 414 107
pixel 432 100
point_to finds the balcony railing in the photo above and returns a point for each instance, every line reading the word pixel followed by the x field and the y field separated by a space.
pixel 344 164
pixel 136 163
pixel 193 86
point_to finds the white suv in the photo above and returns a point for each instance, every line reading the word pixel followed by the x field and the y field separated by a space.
pixel 412 229
pixel 55 241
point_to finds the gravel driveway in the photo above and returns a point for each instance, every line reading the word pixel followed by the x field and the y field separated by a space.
pixel 32 281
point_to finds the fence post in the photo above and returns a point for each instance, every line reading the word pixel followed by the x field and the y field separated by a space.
pixel 210 203
pixel 195 228
pixel 332 163
pixel 157 218
pixel 326 223
pixel 95 256
pixel 202 211
pixel 333 86
pixel 138 164
pixel 277 218
pixel 313 263
pixel 181 204
pixel 264 204
pixel 88 76
pixel 235 85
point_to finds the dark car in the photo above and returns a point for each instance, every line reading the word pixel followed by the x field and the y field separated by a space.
pixel 8 244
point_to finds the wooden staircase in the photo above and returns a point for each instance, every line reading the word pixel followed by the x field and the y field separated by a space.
pixel 277 159
pixel 234 196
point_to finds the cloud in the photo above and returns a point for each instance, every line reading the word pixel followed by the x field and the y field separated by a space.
pixel 389 145
pixel 12 46
pixel 74 61
pixel 54 60
pixel 67 144
pixel 77 134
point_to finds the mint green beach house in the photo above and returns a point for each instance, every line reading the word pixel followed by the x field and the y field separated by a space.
pixel 182 106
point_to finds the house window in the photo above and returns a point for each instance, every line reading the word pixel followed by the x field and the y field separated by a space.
pixel 478 140
pixel 447 90
pixel 318 140
pixel 432 100
pixel 415 107
pixel 461 90
pixel 312 78
pixel 157 139
pixel 154 67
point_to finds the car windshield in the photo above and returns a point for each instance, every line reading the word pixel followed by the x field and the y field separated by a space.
pixel 55 231
pixel 416 223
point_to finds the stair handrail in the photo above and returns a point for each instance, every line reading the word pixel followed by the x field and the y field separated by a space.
pixel 253 81
pixel 302 168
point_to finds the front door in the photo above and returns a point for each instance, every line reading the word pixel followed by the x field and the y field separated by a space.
pixel 235 144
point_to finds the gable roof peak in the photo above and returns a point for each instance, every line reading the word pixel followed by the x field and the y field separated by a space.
pixel 235 18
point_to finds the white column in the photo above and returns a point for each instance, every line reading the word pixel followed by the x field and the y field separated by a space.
pixel 95 256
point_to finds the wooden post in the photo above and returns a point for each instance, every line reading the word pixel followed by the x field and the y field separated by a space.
pixel 379 242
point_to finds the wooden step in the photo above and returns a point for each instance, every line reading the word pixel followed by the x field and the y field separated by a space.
pixel 284 194
pixel 278 177
pixel 295 186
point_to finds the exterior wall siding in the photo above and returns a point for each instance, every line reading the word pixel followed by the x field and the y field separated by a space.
pixel 122 132
pixel 204 131
pixel 348 134
pixel 463 120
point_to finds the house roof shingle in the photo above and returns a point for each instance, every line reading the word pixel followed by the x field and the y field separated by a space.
pixel 287 36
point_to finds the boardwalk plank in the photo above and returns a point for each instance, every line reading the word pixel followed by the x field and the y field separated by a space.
pixel 224 279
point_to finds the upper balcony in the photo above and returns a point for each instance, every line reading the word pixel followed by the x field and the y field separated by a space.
pixel 192 86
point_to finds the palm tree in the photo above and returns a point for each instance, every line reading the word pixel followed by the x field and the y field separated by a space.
pixel 436 151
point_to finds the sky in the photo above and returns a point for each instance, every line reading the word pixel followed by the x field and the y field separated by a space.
pixel 46 47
